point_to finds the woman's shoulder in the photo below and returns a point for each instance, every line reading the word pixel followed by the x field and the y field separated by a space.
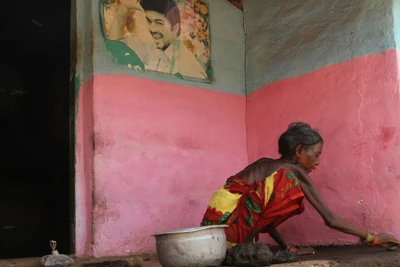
pixel 295 169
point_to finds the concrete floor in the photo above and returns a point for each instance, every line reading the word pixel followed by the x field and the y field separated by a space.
pixel 325 257
pixel 360 256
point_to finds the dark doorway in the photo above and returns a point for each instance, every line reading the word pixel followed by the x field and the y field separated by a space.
pixel 35 183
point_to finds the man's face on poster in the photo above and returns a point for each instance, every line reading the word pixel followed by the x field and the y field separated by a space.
pixel 161 30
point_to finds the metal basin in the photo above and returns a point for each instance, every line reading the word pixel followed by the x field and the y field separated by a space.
pixel 192 247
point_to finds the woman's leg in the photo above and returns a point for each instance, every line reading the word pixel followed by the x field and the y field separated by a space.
pixel 276 236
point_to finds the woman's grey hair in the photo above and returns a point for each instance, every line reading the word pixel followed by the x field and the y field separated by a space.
pixel 298 133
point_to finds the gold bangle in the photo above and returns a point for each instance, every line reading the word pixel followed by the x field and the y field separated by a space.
pixel 370 238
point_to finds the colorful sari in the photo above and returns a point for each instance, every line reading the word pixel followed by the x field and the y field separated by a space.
pixel 262 205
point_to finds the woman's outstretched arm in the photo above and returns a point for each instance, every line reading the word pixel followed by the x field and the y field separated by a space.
pixel 331 219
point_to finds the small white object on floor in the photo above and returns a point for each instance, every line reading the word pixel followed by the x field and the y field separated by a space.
pixel 56 259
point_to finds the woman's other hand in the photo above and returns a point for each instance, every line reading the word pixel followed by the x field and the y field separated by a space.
pixel 303 251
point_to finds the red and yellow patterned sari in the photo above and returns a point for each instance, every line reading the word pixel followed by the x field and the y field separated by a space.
pixel 245 207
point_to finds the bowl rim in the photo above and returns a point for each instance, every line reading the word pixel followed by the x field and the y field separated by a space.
pixel 190 230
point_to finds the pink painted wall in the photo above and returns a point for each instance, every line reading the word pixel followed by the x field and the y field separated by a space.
pixel 162 149
pixel 84 170
pixel 356 107
pixel 160 152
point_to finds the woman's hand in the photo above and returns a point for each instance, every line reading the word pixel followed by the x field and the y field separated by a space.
pixel 387 241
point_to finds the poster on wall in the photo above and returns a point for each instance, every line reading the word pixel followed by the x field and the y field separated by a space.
pixel 168 36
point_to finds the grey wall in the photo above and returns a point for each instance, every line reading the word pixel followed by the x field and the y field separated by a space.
pixel 396 17
pixel 292 37
pixel 82 40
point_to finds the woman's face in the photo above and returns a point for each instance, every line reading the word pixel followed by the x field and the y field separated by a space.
pixel 308 158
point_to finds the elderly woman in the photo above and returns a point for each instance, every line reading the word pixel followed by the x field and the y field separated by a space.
pixel 269 191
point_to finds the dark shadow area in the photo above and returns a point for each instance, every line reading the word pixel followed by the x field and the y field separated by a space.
pixel 34 128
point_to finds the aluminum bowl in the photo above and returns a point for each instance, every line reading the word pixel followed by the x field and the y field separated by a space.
pixel 192 247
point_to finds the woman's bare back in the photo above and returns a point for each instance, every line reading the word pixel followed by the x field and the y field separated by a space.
pixel 261 169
